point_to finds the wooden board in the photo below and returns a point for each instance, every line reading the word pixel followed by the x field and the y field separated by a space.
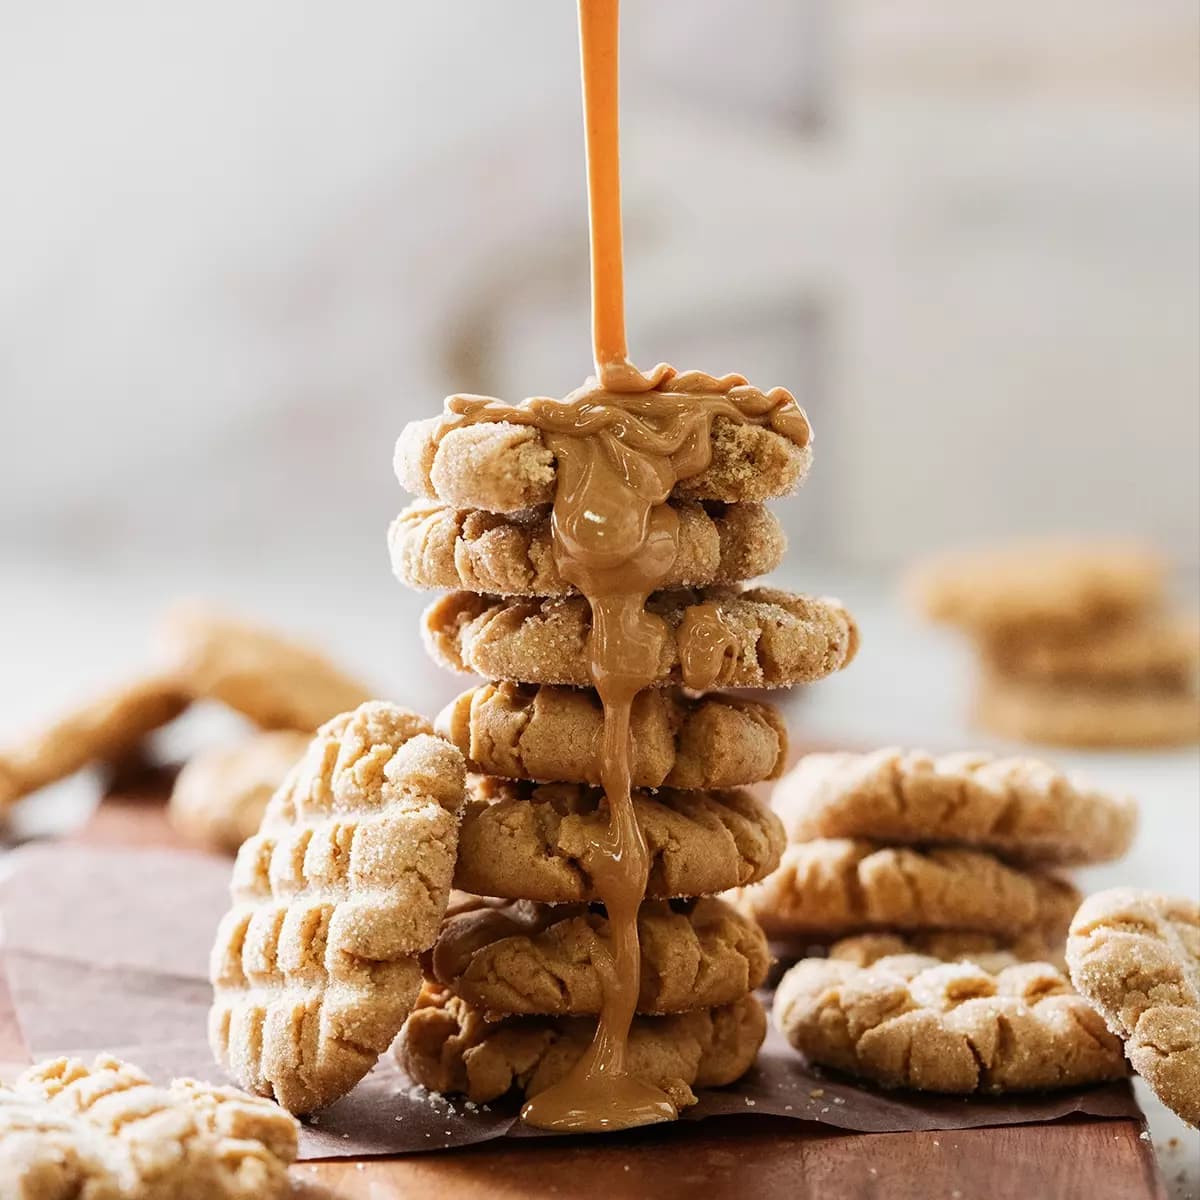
pixel 760 1157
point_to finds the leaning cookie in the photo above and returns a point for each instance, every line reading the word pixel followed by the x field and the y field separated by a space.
pixel 316 964
pixel 1087 716
pixel 105 1132
pixel 715 637
pixel 834 887
pixel 555 734
pixel 915 1022
pixel 102 729
pixel 522 957
pixel 1135 955
pixel 504 467
pixel 1018 808
pixel 434 546
pixel 221 794
pixel 521 841
pixel 277 682
pixel 449 1046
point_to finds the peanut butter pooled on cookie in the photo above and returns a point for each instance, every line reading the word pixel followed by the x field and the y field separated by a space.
pixel 600 542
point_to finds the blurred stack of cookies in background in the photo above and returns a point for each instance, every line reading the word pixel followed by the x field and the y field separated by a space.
pixel 923 898
pixel 1076 643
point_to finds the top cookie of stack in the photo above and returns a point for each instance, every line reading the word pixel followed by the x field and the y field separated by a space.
pixel 532 734
pixel 1074 642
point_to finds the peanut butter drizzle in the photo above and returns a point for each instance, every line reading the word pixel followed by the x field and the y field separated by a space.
pixel 621 443
pixel 704 642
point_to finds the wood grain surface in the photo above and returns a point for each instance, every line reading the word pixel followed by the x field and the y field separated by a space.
pixel 761 1157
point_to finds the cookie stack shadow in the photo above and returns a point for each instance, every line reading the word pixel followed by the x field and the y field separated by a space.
pixel 925 901
pixel 1075 643
pixel 515 981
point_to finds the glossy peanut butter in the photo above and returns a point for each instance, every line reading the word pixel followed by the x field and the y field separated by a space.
pixel 621 443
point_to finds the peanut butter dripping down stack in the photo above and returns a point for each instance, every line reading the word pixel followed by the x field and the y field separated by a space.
pixel 601 541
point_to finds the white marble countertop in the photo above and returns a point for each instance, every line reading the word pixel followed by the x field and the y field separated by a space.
pixel 68 627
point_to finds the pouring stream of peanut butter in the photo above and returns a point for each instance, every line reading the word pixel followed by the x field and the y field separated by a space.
pixel 621 443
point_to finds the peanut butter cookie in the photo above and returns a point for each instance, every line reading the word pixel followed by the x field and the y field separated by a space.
pixel 1135 955
pixel 1018 808
pixel 434 546
pixel 1039 583
pixel 502 467
pixel 276 682
pixel 989 951
pixel 448 1046
pixel 521 841
pixel 103 729
pixel 767 638
pixel 916 1022
pixel 1086 715
pixel 220 795
pixel 522 957
pixel 316 965
pixel 106 1133
pixel 837 886
pixel 554 734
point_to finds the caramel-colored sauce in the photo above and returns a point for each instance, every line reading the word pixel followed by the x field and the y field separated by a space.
pixel 621 444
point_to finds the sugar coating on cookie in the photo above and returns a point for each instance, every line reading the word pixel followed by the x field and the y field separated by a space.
pixel 1086 714
pixel 449 1046
pixel 316 964
pixel 435 546
pixel 521 841
pixel 1019 808
pixel 990 951
pixel 104 1132
pixel 774 638
pixel 522 957
pixel 1135 955
pixel 504 468
pixel 917 1022
pixel 549 733
pixel 102 729
pixel 1053 582
pixel 832 887
pixel 220 795
pixel 278 682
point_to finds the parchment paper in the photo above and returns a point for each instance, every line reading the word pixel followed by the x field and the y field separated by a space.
pixel 108 949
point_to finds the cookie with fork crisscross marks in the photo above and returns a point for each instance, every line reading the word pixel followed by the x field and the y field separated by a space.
pixel 105 1132
pixel 316 965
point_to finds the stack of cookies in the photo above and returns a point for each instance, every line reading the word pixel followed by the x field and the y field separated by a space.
pixel 515 981
pixel 931 882
pixel 1074 643
pixel 955 855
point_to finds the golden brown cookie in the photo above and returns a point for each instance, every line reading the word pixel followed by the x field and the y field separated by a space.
pixel 1135 955
pixel 990 952
pixel 1151 652
pixel 772 638
pixel 103 729
pixel 448 1046
pixel 276 682
pixel 836 886
pixel 1038 583
pixel 104 1132
pixel 221 794
pixel 1018 808
pixel 434 546
pixel 521 841
pixel 554 734
pixel 916 1022
pixel 1087 716
pixel 316 965
pixel 502 467
pixel 522 957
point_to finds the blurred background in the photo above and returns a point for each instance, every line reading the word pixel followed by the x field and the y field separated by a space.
pixel 244 243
